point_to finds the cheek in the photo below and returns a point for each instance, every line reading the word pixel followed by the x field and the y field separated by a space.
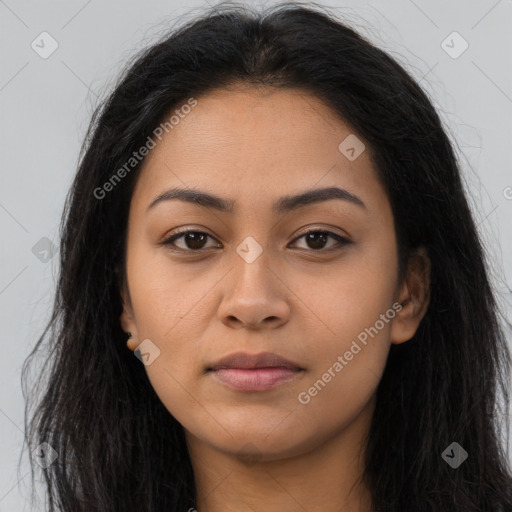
pixel 351 298
pixel 165 294
pixel 170 310
pixel 354 306
pixel 349 358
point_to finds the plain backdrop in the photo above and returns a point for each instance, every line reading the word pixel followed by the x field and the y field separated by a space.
pixel 46 102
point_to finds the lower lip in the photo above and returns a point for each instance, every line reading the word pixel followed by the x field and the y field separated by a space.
pixel 258 379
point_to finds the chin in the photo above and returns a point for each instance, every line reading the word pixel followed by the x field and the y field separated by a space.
pixel 256 441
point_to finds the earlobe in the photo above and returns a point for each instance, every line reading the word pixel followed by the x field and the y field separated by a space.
pixel 128 326
pixel 132 342
pixel 414 297
pixel 127 321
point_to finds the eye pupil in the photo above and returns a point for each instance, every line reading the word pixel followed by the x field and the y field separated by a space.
pixel 195 237
pixel 313 237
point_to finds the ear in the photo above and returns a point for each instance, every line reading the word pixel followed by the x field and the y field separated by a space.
pixel 127 319
pixel 414 297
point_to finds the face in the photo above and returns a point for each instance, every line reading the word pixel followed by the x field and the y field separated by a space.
pixel 313 282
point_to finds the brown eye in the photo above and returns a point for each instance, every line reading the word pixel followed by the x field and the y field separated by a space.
pixel 192 240
pixel 317 239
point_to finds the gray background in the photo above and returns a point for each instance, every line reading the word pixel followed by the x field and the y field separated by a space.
pixel 46 104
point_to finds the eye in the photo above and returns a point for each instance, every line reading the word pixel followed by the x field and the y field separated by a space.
pixel 317 238
pixel 194 241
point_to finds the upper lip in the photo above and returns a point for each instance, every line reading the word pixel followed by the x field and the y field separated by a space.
pixel 261 360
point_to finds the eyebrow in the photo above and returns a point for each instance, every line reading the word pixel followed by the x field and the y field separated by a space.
pixel 283 205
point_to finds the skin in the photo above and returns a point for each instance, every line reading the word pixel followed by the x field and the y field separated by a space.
pixel 266 450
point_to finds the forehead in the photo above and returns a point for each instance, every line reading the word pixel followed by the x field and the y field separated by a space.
pixel 245 142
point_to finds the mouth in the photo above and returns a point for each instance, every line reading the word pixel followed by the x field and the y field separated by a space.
pixel 254 372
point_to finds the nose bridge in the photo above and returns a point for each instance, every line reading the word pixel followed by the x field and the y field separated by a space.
pixel 253 293
pixel 252 268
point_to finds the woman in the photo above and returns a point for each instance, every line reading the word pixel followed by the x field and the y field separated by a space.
pixel 269 215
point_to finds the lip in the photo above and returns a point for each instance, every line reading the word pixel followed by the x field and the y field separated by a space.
pixel 244 360
pixel 254 372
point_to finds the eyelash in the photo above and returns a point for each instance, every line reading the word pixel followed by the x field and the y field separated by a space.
pixel 342 241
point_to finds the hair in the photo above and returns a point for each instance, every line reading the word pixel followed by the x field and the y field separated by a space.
pixel 118 447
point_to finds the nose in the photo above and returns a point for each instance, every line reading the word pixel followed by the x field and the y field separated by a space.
pixel 254 296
